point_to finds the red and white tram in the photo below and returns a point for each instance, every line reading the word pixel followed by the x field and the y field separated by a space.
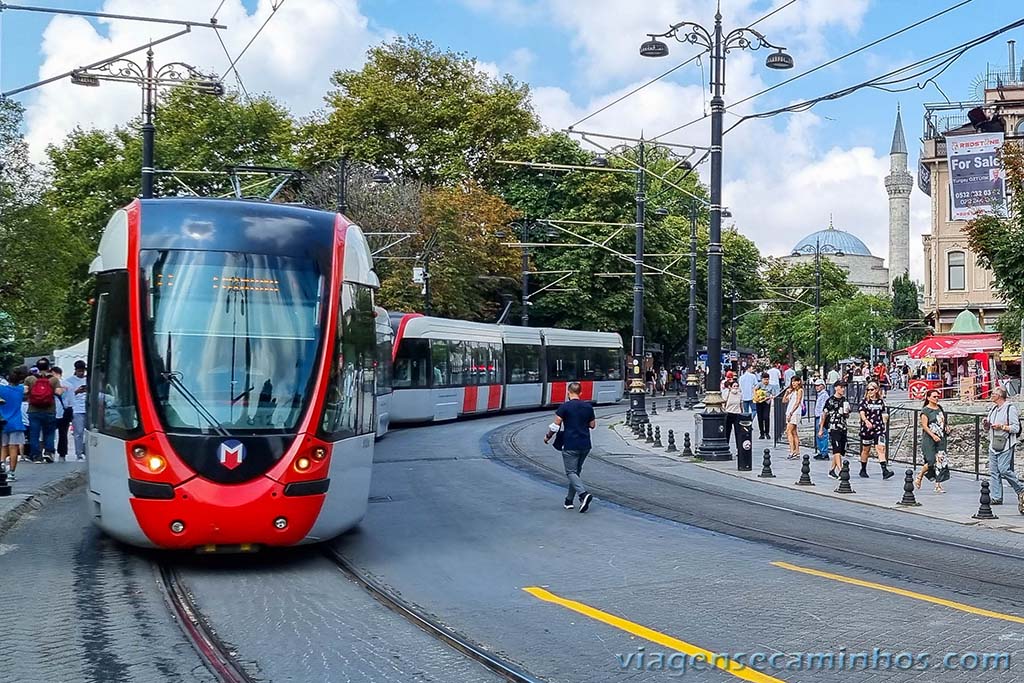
pixel 444 369
pixel 231 386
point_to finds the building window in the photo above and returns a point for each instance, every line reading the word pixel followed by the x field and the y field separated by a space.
pixel 956 278
pixel 1019 130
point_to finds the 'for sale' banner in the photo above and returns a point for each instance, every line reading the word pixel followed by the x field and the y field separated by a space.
pixel 975 176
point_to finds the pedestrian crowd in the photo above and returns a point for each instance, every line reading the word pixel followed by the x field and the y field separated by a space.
pixel 38 408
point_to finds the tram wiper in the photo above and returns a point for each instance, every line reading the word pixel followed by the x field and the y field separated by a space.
pixel 174 379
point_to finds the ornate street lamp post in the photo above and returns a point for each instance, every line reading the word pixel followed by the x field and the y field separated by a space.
pixel 818 249
pixel 714 441
pixel 149 78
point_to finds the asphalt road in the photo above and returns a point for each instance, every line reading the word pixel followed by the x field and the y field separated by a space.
pixel 466 524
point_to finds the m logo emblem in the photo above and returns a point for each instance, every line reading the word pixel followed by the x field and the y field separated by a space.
pixel 231 453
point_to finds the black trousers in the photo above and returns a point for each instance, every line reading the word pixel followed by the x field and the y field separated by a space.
pixel 764 411
pixel 63 423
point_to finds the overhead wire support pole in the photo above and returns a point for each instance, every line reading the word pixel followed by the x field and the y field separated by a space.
pixel 107 15
pixel 637 386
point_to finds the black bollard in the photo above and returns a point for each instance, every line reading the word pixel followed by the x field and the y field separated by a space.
pixel 5 486
pixel 629 416
pixel 657 438
pixel 650 433
pixel 654 407
pixel 766 466
pixel 638 431
pixel 844 479
pixel 908 499
pixel 671 442
pixel 985 509
pixel 805 472
pixel 679 406
pixel 669 409
pixel 687 448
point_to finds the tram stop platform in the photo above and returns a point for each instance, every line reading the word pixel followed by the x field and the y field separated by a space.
pixel 958 504
pixel 36 485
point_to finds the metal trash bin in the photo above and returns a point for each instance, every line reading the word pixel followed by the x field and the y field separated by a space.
pixel 745 442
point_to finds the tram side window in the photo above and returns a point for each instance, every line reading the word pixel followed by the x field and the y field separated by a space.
pixel 439 362
pixel 112 407
pixel 349 410
pixel 562 364
pixel 460 363
pixel 412 364
pixel 495 369
pixel 384 368
pixel 588 364
pixel 481 358
pixel 613 363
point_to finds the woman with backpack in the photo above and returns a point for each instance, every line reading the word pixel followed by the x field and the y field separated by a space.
pixel 933 441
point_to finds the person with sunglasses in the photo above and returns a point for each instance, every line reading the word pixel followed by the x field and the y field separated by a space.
pixel 933 440
pixel 874 415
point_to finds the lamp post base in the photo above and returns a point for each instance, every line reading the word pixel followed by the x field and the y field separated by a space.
pixel 638 404
pixel 714 443
pixel 692 382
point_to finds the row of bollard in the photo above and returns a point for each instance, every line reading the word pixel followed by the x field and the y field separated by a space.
pixel 653 437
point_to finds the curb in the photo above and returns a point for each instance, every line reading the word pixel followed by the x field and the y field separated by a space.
pixel 998 526
pixel 46 494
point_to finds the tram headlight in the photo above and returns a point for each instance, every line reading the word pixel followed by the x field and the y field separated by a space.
pixel 177 526
pixel 280 523
pixel 155 464
pixel 302 464
pixel 138 452
pixel 319 453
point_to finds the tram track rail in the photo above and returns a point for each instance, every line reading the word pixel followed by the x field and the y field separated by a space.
pixel 747 531
pixel 430 625
pixel 215 654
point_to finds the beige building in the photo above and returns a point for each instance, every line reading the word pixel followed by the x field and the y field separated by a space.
pixel 953 279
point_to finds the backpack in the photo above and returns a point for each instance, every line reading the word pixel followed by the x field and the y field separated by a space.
pixel 41 393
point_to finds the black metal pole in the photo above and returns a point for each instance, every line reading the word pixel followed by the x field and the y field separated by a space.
pixel 715 441
pixel 343 185
pixel 148 128
pixel 691 334
pixel 637 388
pixel 426 285
pixel 525 317
pixel 734 350
pixel 817 308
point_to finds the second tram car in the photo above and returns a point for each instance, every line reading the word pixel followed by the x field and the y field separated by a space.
pixel 231 386
pixel 384 366
pixel 444 369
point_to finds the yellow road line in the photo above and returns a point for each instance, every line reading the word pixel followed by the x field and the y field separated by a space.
pixel 899 591
pixel 730 666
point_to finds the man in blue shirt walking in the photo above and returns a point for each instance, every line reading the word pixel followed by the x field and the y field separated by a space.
pixel 575 418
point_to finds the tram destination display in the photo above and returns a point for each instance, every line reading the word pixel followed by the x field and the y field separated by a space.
pixel 976 182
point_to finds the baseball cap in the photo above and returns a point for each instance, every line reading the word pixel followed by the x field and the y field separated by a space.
pixel 819 382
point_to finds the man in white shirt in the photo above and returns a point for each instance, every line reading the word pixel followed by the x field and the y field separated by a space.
pixel 775 375
pixel 787 377
pixel 833 377
pixel 748 381
pixel 77 389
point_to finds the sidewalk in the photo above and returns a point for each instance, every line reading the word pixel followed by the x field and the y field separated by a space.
pixel 958 504
pixel 36 485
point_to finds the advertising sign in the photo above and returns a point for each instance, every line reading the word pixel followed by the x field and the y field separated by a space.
pixel 976 182
pixel 924 178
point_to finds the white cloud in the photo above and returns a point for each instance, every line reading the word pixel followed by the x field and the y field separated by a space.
pixel 292 58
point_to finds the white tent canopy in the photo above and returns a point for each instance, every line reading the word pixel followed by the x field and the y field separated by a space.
pixel 65 358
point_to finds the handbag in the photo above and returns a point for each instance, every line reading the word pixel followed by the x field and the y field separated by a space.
pixel 999 439
pixel 941 467
pixel 559 440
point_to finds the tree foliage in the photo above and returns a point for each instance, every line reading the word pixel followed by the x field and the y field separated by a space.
pixel 910 327
pixel 420 112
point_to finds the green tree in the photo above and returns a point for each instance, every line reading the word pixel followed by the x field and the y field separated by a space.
pixel 420 112
pixel 906 311
pixel 849 327
pixel 997 241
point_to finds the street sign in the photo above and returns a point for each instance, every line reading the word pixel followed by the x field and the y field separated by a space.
pixel 417 276
pixel 734 355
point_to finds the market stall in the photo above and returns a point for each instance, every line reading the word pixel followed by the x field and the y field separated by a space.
pixel 961 364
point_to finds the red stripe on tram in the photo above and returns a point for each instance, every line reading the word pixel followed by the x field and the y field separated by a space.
pixel 469 399
pixel 494 397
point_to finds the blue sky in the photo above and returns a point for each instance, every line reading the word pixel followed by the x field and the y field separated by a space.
pixel 576 55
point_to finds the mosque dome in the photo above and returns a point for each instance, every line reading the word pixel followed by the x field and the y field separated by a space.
pixel 832 240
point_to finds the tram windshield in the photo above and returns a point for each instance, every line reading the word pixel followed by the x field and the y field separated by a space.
pixel 232 338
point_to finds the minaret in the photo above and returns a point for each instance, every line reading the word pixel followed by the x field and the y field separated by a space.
pixel 898 184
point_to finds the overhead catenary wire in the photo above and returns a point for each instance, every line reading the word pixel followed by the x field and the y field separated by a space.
pixel 830 62
pixel 944 60
pixel 274 6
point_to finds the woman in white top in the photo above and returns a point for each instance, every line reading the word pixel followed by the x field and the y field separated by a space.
pixel 733 409
pixel 793 398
